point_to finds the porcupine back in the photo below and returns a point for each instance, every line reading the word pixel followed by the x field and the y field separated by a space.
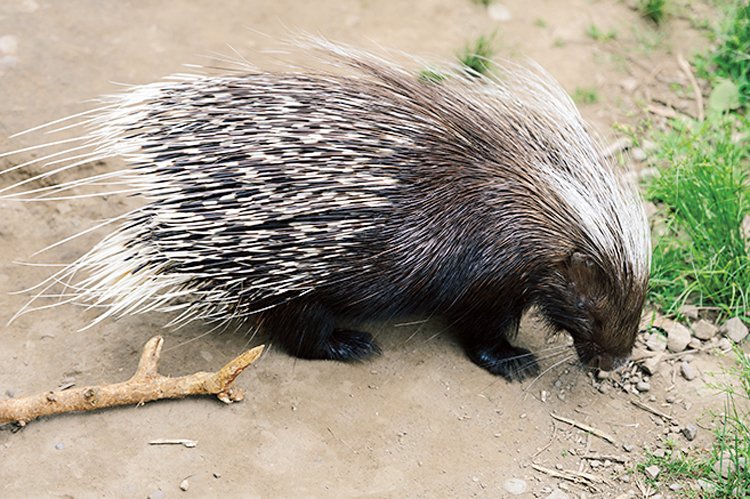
pixel 386 193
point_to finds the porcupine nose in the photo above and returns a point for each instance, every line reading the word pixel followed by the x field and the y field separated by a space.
pixel 607 362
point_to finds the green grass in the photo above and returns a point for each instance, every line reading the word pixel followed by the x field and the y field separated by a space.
pixel 731 58
pixel 731 448
pixel 477 57
pixel 600 35
pixel 483 3
pixel 653 10
pixel 700 253
pixel 585 95
pixel 430 75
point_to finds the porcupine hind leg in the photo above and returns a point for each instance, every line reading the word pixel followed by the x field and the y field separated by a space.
pixel 485 340
pixel 308 330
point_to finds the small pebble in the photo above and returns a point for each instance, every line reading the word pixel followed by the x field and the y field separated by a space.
pixel 690 431
pixel 604 388
pixel 217 475
pixel 628 447
pixel 651 365
pixel 184 485
pixel 695 344
pixel 594 463
pixel 638 154
pixel 499 12
pixel 653 471
pixel 558 494
pixel 678 337
pixel 602 374
pixel 659 453
pixel 735 329
pixel 670 399
pixel 724 345
pixel 642 386
pixel 674 487
pixel 688 371
pixel 515 486
pixel 704 330
pixel 157 494
pixel 59 446
pixel 689 311
pixel 656 342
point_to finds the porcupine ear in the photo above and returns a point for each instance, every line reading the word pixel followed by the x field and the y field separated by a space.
pixel 585 279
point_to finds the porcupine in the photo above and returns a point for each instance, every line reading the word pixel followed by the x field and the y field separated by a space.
pixel 305 199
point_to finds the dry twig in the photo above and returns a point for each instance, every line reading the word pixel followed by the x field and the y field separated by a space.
pixel 571 475
pixel 650 409
pixel 693 83
pixel 145 385
pixel 584 427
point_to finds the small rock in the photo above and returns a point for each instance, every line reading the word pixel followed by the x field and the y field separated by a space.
pixel 688 371
pixel 515 486
pixel 604 388
pixel 628 447
pixel 670 399
pixel 724 466
pixel 594 463
pixel 656 342
pixel 157 494
pixel 674 487
pixel 659 453
pixel 602 374
pixel 8 44
pixel 499 12
pixel 735 329
pixel 653 471
pixel 642 386
pixel 651 365
pixel 695 344
pixel 689 311
pixel 724 345
pixel 629 84
pixel 59 446
pixel 184 485
pixel 638 154
pixel 558 494
pixel 217 475
pixel 690 431
pixel 706 486
pixel 678 337
pixel 704 330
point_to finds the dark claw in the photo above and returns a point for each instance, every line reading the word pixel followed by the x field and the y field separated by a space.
pixel 512 363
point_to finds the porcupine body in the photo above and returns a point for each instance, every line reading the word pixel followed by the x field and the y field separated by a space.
pixel 302 200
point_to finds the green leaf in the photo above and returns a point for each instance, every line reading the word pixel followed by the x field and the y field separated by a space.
pixel 724 97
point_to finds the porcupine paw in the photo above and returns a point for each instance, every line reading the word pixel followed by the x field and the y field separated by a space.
pixel 512 363
pixel 349 345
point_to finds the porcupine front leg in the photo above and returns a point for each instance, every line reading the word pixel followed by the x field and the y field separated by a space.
pixel 485 340
pixel 308 330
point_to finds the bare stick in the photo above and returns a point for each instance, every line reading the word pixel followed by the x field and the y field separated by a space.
pixel 571 475
pixel 650 409
pixel 584 427
pixel 694 83
pixel 145 385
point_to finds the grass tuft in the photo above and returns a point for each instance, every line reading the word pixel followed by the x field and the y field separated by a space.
pixel 585 95
pixel 701 251
pixel 731 58
pixel 595 33
pixel 477 57
pixel 653 10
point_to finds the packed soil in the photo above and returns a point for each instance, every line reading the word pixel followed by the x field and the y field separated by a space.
pixel 420 420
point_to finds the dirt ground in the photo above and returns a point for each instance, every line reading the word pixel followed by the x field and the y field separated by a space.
pixel 419 421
